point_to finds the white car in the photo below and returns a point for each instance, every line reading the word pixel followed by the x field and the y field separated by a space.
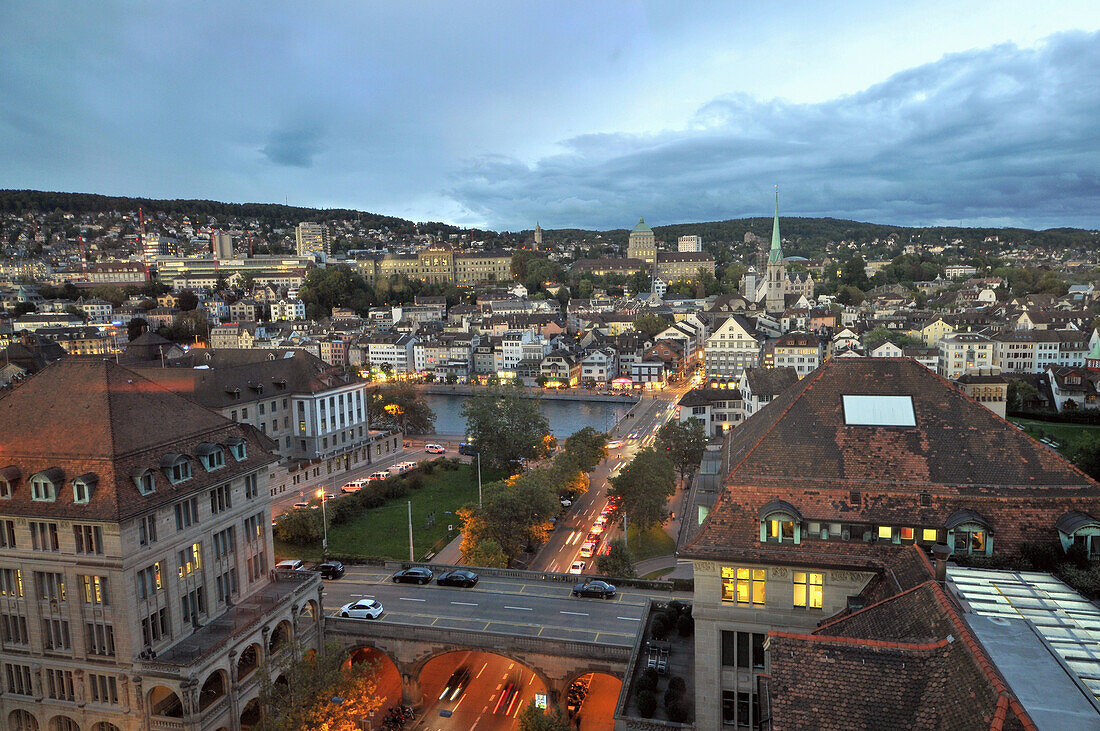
pixel 291 564
pixel 402 467
pixel 434 449
pixel 362 609
pixel 577 567
pixel 587 548
pixel 615 444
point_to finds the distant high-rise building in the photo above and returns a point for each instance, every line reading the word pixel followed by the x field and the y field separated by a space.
pixel 642 243
pixel 313 240
pixel 690 243
pixel 160 245
pixel 223 245
pixel 538 236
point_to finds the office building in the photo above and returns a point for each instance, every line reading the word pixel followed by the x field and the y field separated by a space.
pixel 313 241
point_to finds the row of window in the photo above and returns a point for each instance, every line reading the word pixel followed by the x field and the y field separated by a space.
pixel 58 684
pixel 748 586
pixel 967 539
pixel 99 636
pixel 45 487
pixel 177 468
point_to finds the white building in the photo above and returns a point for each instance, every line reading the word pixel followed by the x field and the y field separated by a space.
pixel 290 310
pixel 962 352
pixel 689 243
pixel 395 351
pixel 600 366
pixel 731 348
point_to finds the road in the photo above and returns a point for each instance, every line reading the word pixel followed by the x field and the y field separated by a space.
pixel 497 691
pixel 544 609
pixel 637 433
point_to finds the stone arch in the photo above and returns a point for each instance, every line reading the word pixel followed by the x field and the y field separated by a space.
pixel 603 684
pixel 414 673
pixel 22 720
pixel 249 660
pixel 63 723
pixel 250 714
pixel 163 701
pixel 214 688
pixel 105 726
pixel 309 609
pixel 279 639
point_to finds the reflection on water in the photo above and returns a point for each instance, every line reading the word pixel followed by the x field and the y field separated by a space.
pixel 565 417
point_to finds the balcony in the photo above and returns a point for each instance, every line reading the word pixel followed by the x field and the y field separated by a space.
pixel 246 616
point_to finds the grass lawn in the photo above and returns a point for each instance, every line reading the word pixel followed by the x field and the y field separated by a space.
pixel 384 531
pixel 1064 434
pixel 653 575
pixel 650 543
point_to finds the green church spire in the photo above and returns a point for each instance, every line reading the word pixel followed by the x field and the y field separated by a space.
pixel 776 253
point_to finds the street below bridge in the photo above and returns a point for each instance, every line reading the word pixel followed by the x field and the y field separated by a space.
pixel 545 609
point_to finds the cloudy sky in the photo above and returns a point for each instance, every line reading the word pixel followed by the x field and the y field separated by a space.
pixel 577 114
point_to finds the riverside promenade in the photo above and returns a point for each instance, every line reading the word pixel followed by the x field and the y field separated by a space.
pixel 549 394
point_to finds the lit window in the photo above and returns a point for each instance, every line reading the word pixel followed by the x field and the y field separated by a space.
pixel 742 585
pixel 781 530
pixel 885 532
pixel 808 590
pixel 906 534
pixel 970 541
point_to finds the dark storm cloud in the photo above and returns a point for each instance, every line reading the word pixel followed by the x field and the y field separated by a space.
pixel 1002 135
pixel 294 146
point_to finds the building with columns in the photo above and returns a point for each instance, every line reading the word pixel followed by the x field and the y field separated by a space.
pixel 136 582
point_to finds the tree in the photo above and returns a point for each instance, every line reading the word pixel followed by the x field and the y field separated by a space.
pixel 506 427
pixel 1085 454
pixel 307 698
pixel 643 487
pixel 532 718
pixel 300 527
pixel 587 448
pixel 188 300
pixel 74 310
pixel 335 286
pixel 684 442
pixel 485 552
pixel 516 513
pixel 136 327
pixel 401 406
pixel 23 308
pixel 617 562
pixel 651 325
pixel 1020 394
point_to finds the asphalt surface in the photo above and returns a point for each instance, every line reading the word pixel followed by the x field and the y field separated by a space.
pixel 480 705
pixel 540 609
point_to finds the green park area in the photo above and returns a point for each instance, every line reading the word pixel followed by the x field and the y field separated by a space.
pixel 652 541
pixel 383 531
pixel 1065 434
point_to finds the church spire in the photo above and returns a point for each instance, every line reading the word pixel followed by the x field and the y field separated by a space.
pixel 776 253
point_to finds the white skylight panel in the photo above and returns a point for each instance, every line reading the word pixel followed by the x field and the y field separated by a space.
pixel 879 411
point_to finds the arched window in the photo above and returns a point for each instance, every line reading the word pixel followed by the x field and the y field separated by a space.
pixel 177 468
pixel 83 486
pixel 9 476
pixel 780 522
pixel 1080 529
pixel 969 534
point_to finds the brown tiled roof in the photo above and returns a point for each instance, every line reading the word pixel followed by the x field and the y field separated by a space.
pixel 84 416
pixel 770 381
pixel 906 662
pixel 961 455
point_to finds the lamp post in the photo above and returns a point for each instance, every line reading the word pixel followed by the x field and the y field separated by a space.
pixel 479 480
pixel 324 523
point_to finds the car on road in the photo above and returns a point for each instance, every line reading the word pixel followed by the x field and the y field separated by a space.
pixel 507 697
pixel 602 520
pixel 596 588
pixel 594 537
pixel 330 569
pixel 414 575
pixel 587 548
pixel 301 505
pixel 467 449
pixel 434 449
pixel 362 609
pixel 577 567
pixel 596 528
pixel 402 467
pixel 379 475
pixel 459 577
pixel 615 444
pixel 455 685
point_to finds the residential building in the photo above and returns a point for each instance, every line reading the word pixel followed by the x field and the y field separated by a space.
pixel 136 559
pixel 799 350
pixel 312 241
pixel 758 386
pixel 837 489
pixel 719 409
pixel 689 244
pixel 732 346
pixel 288 310
pixel 988 387
pixel 393 352
pixel 158 245
pixel 962 352
pixel 560 367
pixel 600 365
pixel 1074 388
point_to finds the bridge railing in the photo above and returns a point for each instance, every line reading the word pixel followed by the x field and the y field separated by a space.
pixel 478 638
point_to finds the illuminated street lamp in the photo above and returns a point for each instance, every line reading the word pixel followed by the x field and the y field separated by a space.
pixel 324 523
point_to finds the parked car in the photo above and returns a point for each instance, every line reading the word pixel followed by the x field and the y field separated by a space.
pixel 577 567
pixel 467 449
pixel 455 685
pixel 566 502
pixel 362 609
pixel 301 505
pixel 291 564
pixel 330 569
pixel 596 588
pixel 354 486
pixel 434 449
pixel 415 575
pixel 402 467
pixel 459 577
pixel 594 537
pixel 379 475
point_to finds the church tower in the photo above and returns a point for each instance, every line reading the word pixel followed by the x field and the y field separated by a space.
pixel 777 269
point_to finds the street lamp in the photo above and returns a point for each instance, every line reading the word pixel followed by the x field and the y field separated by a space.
pixel 324 523
pixel 479 479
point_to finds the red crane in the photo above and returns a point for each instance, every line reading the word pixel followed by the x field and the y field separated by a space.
pixel 141 242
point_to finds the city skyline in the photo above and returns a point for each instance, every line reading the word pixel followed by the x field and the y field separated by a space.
pixel 496 116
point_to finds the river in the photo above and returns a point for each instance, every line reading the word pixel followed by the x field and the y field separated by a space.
pixel 565 417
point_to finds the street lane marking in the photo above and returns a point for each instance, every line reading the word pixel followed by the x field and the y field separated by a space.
pixel 410 599
pixel 479 672
pixel 465 604
pixel 365 596
pixel 525 609
pixel 579 614
pixel 630 619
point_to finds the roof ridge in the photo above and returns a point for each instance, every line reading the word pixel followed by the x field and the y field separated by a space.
pixel 841 618
pixel 863 642
pixel 110 411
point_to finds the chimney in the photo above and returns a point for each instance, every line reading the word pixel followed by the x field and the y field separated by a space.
pixel 940 553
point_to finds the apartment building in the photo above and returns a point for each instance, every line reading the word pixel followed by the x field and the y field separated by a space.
pixel 962 352
pixel 392 351
pixel 288 310
pixel 837 489
pixel 733 346
pixel 799 350
pixel 312 240
pixel 136 589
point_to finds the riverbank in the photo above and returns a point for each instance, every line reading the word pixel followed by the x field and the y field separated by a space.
pixel 564 394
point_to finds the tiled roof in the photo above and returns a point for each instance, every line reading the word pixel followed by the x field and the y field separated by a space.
pixel 907 662
pixel 770 381
pixel 93 416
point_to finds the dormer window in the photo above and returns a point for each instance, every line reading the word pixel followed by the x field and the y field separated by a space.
pixel 44 484
pixel 176 467
pixel 211 455
pixel 9 476
pixel 145 481
pixel 238 448
pixel 780 522
pixel 83 486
